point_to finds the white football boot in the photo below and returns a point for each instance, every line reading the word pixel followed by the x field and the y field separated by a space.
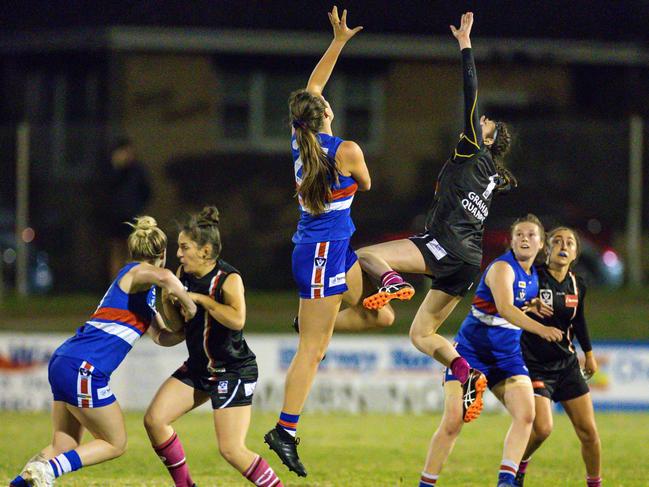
pixel 39 474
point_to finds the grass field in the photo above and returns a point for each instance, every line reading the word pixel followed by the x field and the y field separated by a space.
pixel 611 314
pixel 349 451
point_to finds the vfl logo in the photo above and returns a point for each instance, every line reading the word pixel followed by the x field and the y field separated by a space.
pixel 320 261
pixel 546 296
pixel 84 372
pixel 222 387
pixel 521 294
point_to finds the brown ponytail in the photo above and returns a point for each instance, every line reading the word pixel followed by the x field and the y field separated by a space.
pixel 203 228
pixel 499 149
pixel 306 112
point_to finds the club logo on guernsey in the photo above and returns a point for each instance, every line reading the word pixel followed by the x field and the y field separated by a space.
pixel 84 372
pixel 546 296
pixel 320 261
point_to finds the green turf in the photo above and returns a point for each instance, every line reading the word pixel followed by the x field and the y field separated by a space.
pixel 350 451
pixel 611 314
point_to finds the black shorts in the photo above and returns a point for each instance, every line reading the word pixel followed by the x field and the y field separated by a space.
pixel 225 392
pixel 449 274
pixel 560 380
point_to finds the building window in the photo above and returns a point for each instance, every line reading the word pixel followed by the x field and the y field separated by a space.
pixel 253 114
pixel 235 105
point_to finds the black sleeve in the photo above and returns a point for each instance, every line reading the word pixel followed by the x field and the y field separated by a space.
pixel 471 138
pixel 579 323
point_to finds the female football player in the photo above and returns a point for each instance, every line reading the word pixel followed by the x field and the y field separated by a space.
pixel 554 368
pixel 450 249
pixel 220 367
pixel 489 339
pixel 328 172
pixel 80 369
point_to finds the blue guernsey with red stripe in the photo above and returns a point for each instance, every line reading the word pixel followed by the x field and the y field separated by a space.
pixel 336 221
pixel 484 330
pixel 117 323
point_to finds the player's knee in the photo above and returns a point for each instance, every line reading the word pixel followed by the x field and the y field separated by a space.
pixel 542 430
pixel 230 452
pixel 313 352
pixel 525 417
pixel 588 434
pixel 363 254
pixel 451 427
pixel 385 317
pixel 118 447
pixel 417 336
pixel 152 420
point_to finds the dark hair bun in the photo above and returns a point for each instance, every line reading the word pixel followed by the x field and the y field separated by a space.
pixel 209 216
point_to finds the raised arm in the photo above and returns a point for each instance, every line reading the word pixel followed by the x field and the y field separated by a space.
pixel 232 312
pixel 500 279
pixel 471 139
pixel 325 66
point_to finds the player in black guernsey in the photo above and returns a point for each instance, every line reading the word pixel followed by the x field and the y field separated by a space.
pixel 221 367
pixel 553 366
pixel 450 249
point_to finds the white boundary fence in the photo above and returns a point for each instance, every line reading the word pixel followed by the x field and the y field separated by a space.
pixel 361 373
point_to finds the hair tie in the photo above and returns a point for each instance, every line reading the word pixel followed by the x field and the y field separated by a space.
pixel 297 123
pixel 495 135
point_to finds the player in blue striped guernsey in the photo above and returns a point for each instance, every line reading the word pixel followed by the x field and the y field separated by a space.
pixel 489 339
pixel 328 172
pixel 80 368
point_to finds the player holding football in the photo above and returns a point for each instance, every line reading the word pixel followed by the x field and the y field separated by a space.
pixel 220 368
pixel 80 368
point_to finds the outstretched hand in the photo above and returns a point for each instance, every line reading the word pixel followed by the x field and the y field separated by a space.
pixel 341 31
pixel 463 33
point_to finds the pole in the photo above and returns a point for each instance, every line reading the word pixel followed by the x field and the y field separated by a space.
pixel 634 213
pixel 22 207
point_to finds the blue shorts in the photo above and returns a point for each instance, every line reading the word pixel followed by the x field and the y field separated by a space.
pixel 78 383
pixel 320 269
pixel 497 369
